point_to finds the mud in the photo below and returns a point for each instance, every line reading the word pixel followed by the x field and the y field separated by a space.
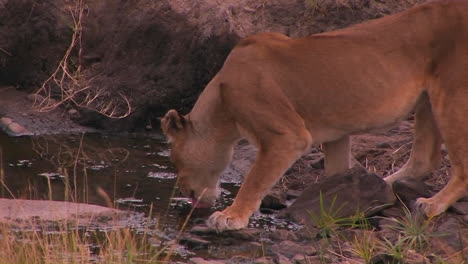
pixel 21 108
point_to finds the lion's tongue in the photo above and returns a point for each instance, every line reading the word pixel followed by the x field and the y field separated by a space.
pixel 199 204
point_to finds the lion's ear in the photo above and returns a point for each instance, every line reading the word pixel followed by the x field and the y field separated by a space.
pixel 172 122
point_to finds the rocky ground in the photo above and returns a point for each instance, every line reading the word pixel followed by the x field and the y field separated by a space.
pixel 325 239
pixel 20 114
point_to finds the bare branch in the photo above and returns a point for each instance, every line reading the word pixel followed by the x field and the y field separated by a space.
pixel 72 84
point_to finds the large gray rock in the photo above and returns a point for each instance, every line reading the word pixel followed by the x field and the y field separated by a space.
pixel 349 192
pixel 15 211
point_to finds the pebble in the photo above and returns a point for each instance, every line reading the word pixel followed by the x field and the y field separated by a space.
pixel 6 121
pixel 194 242
pixel 202 230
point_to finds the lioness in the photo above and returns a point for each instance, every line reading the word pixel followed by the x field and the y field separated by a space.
pixel 285 95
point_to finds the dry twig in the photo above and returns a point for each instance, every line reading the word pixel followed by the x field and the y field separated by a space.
pixel 73 87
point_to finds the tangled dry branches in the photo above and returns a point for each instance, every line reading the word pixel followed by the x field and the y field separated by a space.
pixel 71 84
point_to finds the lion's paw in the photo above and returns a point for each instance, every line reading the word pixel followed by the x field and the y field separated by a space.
pixel 430 207
pixel 222 221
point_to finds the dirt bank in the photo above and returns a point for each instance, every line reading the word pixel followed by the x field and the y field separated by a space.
pixel 158 55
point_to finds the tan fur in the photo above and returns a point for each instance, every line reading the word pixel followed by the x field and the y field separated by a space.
pixel 285 95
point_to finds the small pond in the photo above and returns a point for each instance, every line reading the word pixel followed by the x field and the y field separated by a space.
pixel 132 172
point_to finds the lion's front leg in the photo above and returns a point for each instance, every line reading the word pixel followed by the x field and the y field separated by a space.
pixel 270 165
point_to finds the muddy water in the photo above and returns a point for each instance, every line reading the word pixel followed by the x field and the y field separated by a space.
pixel 131 173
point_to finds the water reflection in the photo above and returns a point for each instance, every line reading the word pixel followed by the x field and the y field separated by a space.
pixel 128 172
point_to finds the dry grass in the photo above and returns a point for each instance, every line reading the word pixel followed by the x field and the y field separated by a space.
pixel 67 85
pixel 73 245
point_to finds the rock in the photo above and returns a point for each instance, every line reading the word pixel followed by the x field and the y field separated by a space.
pixel 383 258
pixel 410 189
pixel 393 211
pixel 202 230
pixel 5 121
pixel 413 257
pixel 194 242
pixel 204 261
pixel 244 234
pixel 275 199
pixel 460 208
pixel 383 145
pixel 74 114
pixel 301 259
pixel 264 260
pixel 14 129
pixel 19 210
pixel 450 238
pixel 349 192
pixel 240 260
pixel 291 249
pixel 293 194
pixel 281 259
pixel 281 234
pixel 307 233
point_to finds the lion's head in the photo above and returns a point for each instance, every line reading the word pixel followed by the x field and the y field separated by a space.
pixel 198 159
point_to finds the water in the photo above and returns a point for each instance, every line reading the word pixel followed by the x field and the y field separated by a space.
pixel 132 172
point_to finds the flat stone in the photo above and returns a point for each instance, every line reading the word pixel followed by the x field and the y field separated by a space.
pixel 349 192
pixel 204 261
pixel 460 208
pixel 283 259
pixel 202 230
pixel 194 242
pixel 291 249
pixel 301 259
pixel 19 210
pixel 244 234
